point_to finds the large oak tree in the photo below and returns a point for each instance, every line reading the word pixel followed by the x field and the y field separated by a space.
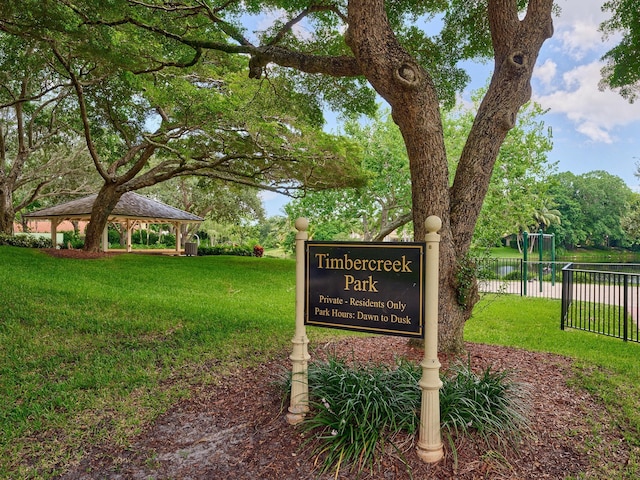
pixel 622 69
pixel 516 192
pixel 145 122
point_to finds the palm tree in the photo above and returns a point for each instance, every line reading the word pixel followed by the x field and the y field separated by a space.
pixel 546 217
pixel 543 218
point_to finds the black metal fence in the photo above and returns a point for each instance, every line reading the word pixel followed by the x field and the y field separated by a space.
pixel 517 277
pixel 602 298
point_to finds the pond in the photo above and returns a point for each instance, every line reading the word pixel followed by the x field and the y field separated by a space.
pixel 599 257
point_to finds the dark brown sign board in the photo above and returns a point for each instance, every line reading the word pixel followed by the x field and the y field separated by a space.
pixel 374 287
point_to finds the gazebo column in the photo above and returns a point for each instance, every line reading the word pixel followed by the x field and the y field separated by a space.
pixel 177 227
pixel 105 238
pixel 129 226
pixel 54 231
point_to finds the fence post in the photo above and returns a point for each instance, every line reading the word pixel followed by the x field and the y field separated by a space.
pixel 540 269
pixel 525 250
pixel 625 316
pixel 553 259
pixel 299 404
pixel 565 296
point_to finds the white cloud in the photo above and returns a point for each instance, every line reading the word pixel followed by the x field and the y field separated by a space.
pixel 580 39
pixel 594 132
pixel 267 195
pixel 576 29
pixel 595 113
pixel 572 11
pixel 546 72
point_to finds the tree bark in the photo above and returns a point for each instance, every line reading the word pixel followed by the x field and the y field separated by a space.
pixel 410 92
pixel 386 228
pixel 7 213
pixel 104 204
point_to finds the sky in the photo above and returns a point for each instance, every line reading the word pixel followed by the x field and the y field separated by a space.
pixel 592 129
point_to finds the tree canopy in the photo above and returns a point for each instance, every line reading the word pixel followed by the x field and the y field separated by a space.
pixel 592 208
pixel 41 153
pixel 622 69
pixel 516 193
pixel 144 122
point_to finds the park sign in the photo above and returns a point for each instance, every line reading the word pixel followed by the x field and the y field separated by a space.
pixel 375 287
pixel 389 288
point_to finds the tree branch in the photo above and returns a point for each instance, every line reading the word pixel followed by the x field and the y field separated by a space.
pixel 516 44
pixel 297 19
pixel 83 113
pixel 388 228
pixel 337 66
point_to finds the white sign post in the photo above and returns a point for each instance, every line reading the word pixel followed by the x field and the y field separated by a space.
pixel 429 446
pixel 299 404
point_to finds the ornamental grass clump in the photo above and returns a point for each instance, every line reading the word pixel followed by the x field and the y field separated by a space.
pixel 358 409
pixel 490 403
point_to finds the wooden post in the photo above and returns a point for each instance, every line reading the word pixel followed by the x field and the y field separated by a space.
pixel 429 446
pixel 129 226
pixel 299 404
pixel 105 238
pixel 178 242
pixel 54 232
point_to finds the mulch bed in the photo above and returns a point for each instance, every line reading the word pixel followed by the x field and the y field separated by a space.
pixel 237 429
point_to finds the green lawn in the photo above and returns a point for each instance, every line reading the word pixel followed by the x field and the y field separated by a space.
pixel 92 350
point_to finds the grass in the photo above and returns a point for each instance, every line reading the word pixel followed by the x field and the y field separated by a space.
pixel 90 350
pixel 93 350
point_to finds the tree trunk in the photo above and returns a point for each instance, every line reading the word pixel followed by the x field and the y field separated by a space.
pixel 7 214
pixel 104 204
pixel 409 89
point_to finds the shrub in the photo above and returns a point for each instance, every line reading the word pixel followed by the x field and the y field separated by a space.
pixel 25 240
pixel 258 251
pixel 71 238
pixel 238 250
pixel 144 237
pixel 514 275
pixel 490 403
pixel 517 275
pixel 356 410
pixel 168 239
pixel 114 236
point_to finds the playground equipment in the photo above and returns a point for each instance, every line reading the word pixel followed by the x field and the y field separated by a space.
pixel 540 240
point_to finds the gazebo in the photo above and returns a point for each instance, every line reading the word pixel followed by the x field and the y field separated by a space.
pixel 131 210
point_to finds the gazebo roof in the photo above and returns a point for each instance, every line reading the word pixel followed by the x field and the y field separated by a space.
pixel 131 206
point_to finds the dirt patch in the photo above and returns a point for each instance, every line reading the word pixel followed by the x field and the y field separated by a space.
pixel 75 253
pixel 228 432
